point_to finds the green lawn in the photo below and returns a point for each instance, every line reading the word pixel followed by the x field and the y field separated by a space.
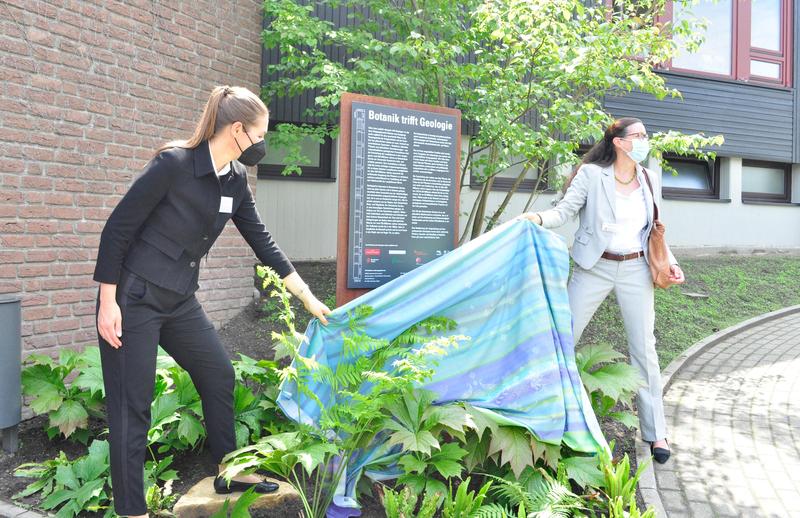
pixel 738 287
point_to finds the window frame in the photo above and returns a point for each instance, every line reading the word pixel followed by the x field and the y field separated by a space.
pixel 505 183
pixel 322 173
pixel 682 193
pixel 762 197
pixel 742 53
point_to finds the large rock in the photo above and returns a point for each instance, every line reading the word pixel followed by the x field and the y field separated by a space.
pixel 201 501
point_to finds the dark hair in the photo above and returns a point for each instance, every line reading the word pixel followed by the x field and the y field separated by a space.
pixel 603 152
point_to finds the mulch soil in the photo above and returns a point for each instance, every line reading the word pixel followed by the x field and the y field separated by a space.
pixel 248 333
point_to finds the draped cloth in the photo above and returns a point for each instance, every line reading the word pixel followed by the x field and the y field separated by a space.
pixel 507 291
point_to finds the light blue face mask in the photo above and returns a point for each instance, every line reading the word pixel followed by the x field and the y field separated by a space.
pixel 639 150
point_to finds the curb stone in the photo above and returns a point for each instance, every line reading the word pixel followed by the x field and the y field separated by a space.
pixel 647 483
pixel 8 510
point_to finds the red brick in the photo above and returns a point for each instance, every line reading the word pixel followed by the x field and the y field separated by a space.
pixel 58 198
pixel 34 270
pixel 41 256
pixel 17 241
pixel 33 211
pixel 37 182
pixel 80 269
pixel 38 313
pixel 65 324
pixel 41 227
pixel 67 213
pixel 11 227
pixel 10 286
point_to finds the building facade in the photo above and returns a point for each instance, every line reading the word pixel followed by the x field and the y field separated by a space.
pixel 89 90
pixel 742 84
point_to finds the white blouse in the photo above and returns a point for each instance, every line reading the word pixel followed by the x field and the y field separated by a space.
pixel 631 213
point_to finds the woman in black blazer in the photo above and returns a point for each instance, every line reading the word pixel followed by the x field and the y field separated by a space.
pixel 148 266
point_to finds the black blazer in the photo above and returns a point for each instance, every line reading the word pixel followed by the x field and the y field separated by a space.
pixel 170 217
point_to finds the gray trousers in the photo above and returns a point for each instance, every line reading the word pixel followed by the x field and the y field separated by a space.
pixel 633 287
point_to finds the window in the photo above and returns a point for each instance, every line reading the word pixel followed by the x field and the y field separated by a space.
pixel 317 168
pixel 744 40
pixel 766 181
pixel 696 179
pixel 504 180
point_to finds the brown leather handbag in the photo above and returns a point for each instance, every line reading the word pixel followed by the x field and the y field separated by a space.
pixel 657 254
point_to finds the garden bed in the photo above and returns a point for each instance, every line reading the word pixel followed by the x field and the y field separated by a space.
pixel 736 286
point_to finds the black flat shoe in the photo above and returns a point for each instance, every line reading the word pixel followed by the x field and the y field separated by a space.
pixel 223 488
pixel 661 455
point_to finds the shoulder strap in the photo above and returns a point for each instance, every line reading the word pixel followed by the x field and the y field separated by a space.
pixel 652 194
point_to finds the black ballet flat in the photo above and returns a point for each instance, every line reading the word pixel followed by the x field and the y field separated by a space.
pixel 223 488
pixel 661 455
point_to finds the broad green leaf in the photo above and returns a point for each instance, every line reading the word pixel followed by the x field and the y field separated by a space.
pixel 514 446
pixel 412 464
pixel 65 476
pixel 164 406
pixel 482 419
pixel 69 416
pixel 243 397
pixel 44 385
pixel 613 380
pixel 240 508
pixel 549 453
pixel 91 379
pixel 583 470
pixel 314 455
pixel 629 419
pixel 455 416
pixel 590 356
pixel 190 428
pixel 422 441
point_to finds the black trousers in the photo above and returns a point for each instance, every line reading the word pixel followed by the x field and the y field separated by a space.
pixel 152 315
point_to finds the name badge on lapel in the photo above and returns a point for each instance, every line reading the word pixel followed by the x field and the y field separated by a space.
pixel 226 204
pixel 610 227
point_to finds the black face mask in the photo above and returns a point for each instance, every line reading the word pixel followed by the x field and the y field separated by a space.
pixel 253 154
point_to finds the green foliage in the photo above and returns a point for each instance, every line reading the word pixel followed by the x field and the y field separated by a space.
pixel 254 399
pixel 176 415
pixel 532 75
pixel 73 487
pixel 536 492
pixel 465 503
pixel 240 508
pixel 68 404
pixel 616 509
pixel 376 380
pixel 176 411
pixel 609 384
pixel 402 504
pixel 618 483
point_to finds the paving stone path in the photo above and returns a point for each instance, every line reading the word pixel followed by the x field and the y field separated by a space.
pixel 733 412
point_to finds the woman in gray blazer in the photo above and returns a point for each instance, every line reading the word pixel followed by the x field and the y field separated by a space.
pixel 611 196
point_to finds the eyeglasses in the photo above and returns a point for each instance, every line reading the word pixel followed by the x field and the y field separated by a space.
pixel 638 135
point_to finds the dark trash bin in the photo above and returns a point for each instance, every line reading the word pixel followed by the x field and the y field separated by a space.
pixel 10 366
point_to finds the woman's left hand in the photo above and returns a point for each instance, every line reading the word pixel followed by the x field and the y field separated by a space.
pixel 676 273
pixel 317 308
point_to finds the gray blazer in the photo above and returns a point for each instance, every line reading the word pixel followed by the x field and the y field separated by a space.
pixel 592 196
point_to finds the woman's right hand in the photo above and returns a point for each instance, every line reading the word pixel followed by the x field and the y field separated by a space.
pixel 533 216
pixel 109 316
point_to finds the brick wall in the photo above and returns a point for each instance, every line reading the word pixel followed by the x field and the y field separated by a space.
pixel 88 90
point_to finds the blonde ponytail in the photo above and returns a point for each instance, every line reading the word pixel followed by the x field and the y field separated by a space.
pixel 225 105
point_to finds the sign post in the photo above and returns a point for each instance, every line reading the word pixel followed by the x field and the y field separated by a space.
pixel 398 189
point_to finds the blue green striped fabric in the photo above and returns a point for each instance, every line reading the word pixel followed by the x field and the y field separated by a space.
pixel 507 291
